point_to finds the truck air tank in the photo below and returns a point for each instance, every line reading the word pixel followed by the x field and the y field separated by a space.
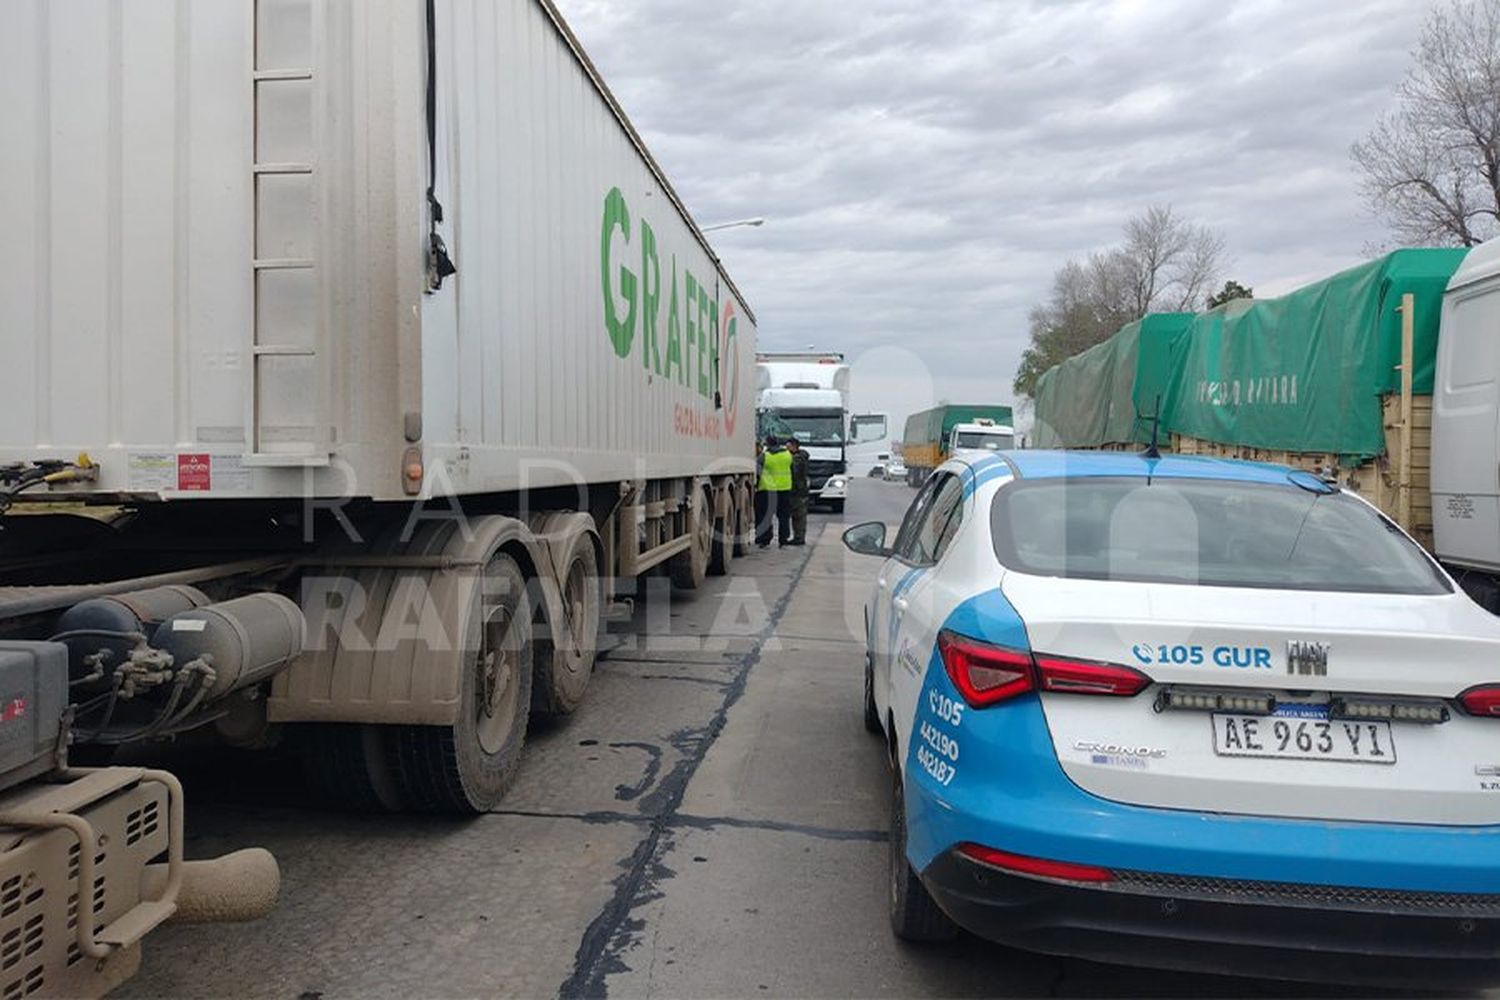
pixel 245 640
pixel 100 623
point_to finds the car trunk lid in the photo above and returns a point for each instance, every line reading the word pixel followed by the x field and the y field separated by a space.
pixel 1326 659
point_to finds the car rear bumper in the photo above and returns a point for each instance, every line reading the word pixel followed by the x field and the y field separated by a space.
pixel 1008 791
pixel 1277 930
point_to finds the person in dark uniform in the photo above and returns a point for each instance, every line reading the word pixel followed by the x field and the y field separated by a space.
pixel 800 492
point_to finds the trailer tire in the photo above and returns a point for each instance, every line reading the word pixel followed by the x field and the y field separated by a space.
pixel 722 551
pixel 565 661
pixel 690 566
pixel 348 766
pixel 464 768
pixel 741 521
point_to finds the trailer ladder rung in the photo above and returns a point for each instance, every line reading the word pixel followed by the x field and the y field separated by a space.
pixel 283 351
pixel 282 74
pixel 282 168
pixel 283 263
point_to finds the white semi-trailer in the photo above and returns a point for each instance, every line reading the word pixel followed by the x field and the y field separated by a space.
pixel 357 358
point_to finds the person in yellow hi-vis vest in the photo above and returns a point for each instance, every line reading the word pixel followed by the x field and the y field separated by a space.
pixel 775 494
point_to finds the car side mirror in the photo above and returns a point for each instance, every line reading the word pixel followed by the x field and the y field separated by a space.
pixel 867 539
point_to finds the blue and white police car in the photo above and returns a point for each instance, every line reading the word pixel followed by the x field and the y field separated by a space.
pixel 1188 713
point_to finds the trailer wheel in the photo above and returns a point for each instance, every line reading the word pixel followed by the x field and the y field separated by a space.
pixel 722 551
pixel 566 660
pixel 466 767
pixel 348 766
pixel 690 566
pixel 741 521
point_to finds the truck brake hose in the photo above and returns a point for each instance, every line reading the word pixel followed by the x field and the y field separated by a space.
pixel 16 479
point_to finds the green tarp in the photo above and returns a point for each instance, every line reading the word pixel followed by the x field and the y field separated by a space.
pixel 1305 372
pixel 1104 395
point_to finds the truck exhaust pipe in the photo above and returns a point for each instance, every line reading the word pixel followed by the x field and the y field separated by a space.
pixel 238 887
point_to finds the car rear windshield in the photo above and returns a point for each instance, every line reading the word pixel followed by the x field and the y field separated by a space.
pixel 1209 532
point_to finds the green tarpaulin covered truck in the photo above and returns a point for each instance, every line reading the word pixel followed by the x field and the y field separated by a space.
pixel 931 435
pixel 1105 395
pixel 1312 378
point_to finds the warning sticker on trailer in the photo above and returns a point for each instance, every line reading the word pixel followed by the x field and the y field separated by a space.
pixel 186 472
pixel 152 471
pixel 195 472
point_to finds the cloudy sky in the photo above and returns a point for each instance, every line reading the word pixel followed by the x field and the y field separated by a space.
pixel 926 165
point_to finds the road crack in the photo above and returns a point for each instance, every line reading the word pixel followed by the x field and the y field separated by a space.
pixel 613 929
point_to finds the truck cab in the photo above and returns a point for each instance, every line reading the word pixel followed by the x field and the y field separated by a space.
pixel 806 396
pixel 815 418
pixel 980 437
pixel 869 444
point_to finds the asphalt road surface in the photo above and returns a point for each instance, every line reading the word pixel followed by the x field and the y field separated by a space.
pixel 712 822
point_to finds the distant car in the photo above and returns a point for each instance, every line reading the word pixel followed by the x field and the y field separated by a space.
pixel 1186 713
pixel 877 471
pixel 895 471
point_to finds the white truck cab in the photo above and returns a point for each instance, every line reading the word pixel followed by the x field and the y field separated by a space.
pixel 979 438
pixel 806 396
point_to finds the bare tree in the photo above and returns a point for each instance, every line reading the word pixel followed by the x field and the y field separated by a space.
pixel 1172 262
pixel 1431 167
pixel 1165 264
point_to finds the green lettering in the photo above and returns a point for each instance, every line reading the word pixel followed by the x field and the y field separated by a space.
pixel 706 335
pixel 674 328
pixel 689 321
pixel 617 216
pixel 650 299
pixel 713 350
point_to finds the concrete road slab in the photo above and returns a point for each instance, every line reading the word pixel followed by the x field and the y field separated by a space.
pixel 394 907
pixel 795 749
pixel 611 753
pixel 765 913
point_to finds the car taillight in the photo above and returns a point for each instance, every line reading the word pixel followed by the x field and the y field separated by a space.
pixel 1482 700
pixel 1042 867
pixel 1058 673
pixel 985 674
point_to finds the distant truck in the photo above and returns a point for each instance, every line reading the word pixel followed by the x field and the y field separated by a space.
pixel 805 395
pixel 933 436
pixel 1384 378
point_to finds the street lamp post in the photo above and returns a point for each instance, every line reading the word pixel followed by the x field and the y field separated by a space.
pixel 731 225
